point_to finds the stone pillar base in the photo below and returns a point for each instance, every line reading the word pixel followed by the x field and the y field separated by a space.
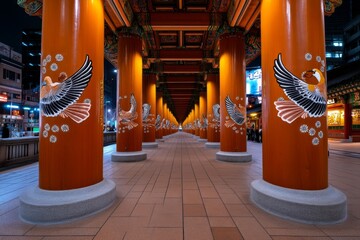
pixel 325 206
pixel 150 145
pixel 38 206
pixel 128 156
pixel 233 156
pixel 212 144
pixel 202 140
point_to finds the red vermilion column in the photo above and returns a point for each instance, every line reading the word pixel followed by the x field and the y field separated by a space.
pixel 232 99
pixel 71 155
pixel 203 115
pixel 165 131
pixel 197 118
pixel 295 147
pixel 129 134
pixel 213 111
pixel 299 169
pixel 149 110
pixel 159 116
pixel 193 123
pixel 71 119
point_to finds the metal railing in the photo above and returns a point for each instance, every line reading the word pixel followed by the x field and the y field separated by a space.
pixel 21 150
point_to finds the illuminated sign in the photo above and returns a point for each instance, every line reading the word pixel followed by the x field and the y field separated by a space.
pixel 3 98
pixel 253 81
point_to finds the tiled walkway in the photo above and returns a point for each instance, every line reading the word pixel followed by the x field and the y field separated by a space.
pixel 182 192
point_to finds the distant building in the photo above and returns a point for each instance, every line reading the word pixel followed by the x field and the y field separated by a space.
pixel 352 40
pixel 18 108
pixel 31 52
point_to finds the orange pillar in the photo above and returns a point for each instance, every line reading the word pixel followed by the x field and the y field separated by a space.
pixel 129 134
pixel 193 122
pixel 166 132
pixel 232 99
pixel 213 111
pixel 71 103
pixel 149 110
pixel 196 112
pixel 159 122
pixel 295 147
pixel 203 116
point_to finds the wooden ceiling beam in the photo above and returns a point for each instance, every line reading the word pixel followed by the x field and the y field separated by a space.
pixel 176 68
pixel 181 54
pixel 165 21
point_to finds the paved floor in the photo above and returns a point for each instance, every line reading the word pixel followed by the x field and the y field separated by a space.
pixel 182 192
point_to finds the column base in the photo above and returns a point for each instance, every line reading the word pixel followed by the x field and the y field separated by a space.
pixel 212 144
pixel 150 145
pixel 128 156
pixel 325 206
pixel 233 156
pixel 160 140
pixel 202 140
pixel 38 206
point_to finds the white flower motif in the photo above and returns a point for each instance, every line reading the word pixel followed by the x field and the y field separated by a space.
pixel 318 124
pixel 43 70
pixel 53 138
pixel 312 132
pixel 280 99
pixel 59 57
pixel 318 58
pixel 65 128
pixel 304 128
pixel 53 67
pixel 47 127
pixel 125 96
pixel 48 58
pixel 234 128
pixel 55 128
pixel 323 62
pixel 322 68
pixel 315 141
pixel 308 56
pixel 45 134
pixel 237 98
pixel 320 134
pixel 87 100
pixel 237 131
pixel 44 62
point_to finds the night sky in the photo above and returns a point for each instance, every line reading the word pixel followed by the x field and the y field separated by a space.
pixel 13 20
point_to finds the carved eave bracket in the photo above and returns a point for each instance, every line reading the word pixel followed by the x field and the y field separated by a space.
pixel 330 5
pixel 31 7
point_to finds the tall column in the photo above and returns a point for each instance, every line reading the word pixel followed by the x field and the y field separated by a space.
pixel 203 117
pixel 295 147
pixel 193 124
pixel 71 119
pixel 232 98
pixel 213 111
pixel 197 118
pixel 149 110
pixel 159 122
pixel 129 133
pixel 165 130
